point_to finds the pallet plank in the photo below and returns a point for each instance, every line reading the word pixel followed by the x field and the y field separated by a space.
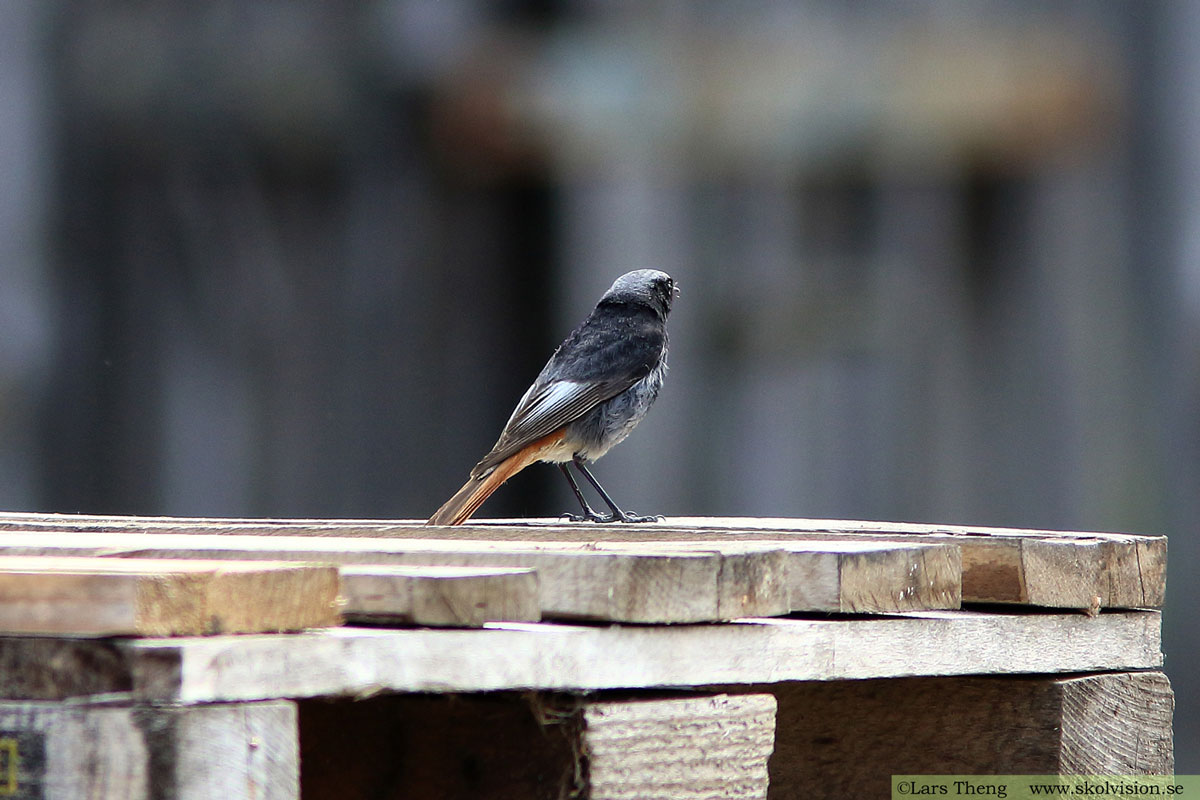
pixel 682 748
pixel 60 751
pixel 554 657
pixel 520 656
pixel 1117 724
pixel 848 576
pixel 1054 569
pixel 874 577
pixel 162 597
pixel 465 597
pixel 751 578
pixel 577 580
pixel 1105 724
pixel 1000 565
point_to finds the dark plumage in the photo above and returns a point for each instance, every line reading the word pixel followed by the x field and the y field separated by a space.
pixel 592 392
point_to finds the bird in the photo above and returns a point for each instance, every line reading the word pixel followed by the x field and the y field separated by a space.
pixel 596 387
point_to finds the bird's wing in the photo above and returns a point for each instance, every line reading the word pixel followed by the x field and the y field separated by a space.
pixel 600 359
pixel 547 407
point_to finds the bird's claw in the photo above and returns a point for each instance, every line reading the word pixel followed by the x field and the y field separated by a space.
pixel 624 516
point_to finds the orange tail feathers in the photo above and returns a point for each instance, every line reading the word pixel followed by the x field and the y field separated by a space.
pixel 467 500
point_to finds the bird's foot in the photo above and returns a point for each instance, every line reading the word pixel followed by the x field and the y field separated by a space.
pixel 626 516
pixel 623 516
pixel 589 516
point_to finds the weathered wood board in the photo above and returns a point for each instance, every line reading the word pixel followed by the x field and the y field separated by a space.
pixel 872 577
pixel 535 746
pixel 644 581
pixel 464 597
pixel 1000 565
pixel 58 751
pixel 686 748
pixel 1006 565
pixel 615 583
pixel 521 656
pixel 1103 724
pixel 848 576
pixel 163 597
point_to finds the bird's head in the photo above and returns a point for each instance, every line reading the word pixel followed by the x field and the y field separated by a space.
pixel 644 286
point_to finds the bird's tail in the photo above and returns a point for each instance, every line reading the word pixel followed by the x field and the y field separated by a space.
pixel 459 508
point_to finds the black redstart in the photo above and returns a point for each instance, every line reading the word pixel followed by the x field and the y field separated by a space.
pixel 592 392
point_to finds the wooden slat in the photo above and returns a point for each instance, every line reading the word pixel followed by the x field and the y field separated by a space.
pixel 683 748
pixel 758 577
pixel 849 576
pixel 999 565
pixel 872 577
pixel 617 583
pixel 1106 724
pixel 521 656
pixel 465 597
pixel 1054 569
pixel 163 597
pixel 1117 724
pixel 121 752
pixel 566 657
pixel 1007 565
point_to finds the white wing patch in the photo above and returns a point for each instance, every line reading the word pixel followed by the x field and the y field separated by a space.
pixel 546 404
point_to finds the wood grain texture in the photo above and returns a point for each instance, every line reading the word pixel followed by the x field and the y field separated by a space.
pixel 119 752
pixel 847 576
pixel 636 581
pixel 881 578
pixel 999 565
pixel 237 750
pixel 520 656
pixel 689 748
pixel 464 597
pixel 162 597
pixel 1005 565
pixel 1117 724
pixel 717 581
pixel 846 739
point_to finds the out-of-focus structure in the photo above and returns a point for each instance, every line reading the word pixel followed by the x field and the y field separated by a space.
pixel 940 261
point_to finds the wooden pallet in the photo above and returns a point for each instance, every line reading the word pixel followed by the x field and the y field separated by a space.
pixel 760 658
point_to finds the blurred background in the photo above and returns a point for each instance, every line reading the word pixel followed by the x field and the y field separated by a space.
pixel 940 259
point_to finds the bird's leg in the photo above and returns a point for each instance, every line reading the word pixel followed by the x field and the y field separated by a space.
pixel 589 514
pixel 617 514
